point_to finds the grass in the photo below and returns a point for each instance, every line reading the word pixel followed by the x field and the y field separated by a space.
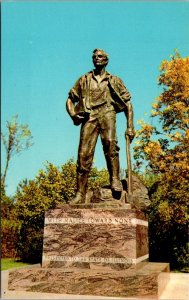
pixel 9 263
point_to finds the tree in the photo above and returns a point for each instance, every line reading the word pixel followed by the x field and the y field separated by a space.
pixel 17 138
pixel 164 151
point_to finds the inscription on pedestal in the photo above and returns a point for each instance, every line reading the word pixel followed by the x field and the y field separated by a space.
pixel 97 221
pixel 106 260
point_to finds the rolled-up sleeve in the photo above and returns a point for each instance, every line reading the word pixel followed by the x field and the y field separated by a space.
pixel 75 92
pixel 123 92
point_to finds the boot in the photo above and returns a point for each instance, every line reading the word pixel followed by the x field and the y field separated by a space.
pixel 116 185
pixel 79 198
pixel 82 179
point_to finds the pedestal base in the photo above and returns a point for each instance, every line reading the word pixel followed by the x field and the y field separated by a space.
pixel 145 281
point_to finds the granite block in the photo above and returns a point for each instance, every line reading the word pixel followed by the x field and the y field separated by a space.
pixel 143 282
pixel 92 238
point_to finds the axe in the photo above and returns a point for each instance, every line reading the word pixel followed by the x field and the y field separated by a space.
pixel 129 168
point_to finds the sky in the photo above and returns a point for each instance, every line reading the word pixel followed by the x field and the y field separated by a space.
pixel 47 46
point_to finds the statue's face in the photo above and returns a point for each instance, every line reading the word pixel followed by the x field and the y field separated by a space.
pixel 99 59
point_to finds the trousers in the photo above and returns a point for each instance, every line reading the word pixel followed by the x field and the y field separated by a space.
pixel 102 121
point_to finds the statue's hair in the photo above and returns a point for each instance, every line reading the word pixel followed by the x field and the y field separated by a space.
pixel 103 52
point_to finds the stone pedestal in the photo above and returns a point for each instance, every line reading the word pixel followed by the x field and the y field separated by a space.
pixel 92 250
pixel 94 237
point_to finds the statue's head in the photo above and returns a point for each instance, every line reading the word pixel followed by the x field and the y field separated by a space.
pixel 100 57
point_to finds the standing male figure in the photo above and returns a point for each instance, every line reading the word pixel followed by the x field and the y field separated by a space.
pixel 93 102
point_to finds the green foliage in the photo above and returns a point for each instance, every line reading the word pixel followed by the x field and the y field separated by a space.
pixel 165 153
pixel 51 187
pixel 98 178
pixel 17 138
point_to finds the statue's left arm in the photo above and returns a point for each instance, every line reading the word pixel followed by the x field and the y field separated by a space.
pixel 125 96
pixel 130 124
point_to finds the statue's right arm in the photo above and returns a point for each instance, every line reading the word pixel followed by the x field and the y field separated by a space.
pixel 70 107
pixel 71 111
pixel 74 97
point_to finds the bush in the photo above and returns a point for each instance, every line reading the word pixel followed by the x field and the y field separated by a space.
pixel 10 226
pixel 30 242
pixel 9 234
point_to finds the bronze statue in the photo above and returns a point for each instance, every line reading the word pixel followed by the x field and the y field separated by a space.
pixel 93 102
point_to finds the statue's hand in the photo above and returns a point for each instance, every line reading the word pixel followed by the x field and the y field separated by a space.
pixel 78 119
pixel 130 133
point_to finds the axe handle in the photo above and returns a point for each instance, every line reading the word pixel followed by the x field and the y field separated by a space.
pixel 129 167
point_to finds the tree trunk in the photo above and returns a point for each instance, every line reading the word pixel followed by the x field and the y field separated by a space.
pixel 6 168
